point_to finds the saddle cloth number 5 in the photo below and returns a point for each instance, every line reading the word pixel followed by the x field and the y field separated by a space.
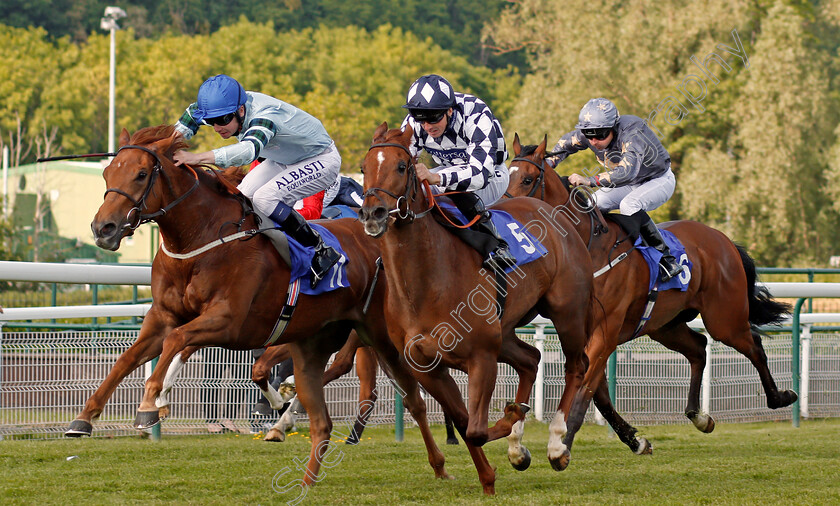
pixel 522 239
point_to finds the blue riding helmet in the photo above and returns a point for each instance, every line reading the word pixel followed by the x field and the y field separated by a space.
pixel 430 92
pixel 598 113
pixel 219 95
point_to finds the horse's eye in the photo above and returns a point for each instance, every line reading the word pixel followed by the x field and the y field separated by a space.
pixel 142 175
pixel 401 167
pixel 527 180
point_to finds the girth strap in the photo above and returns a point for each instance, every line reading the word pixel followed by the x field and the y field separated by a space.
pixel 651 301
pixel 285 313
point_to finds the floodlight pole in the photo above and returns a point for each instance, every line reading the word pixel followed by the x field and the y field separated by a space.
pixel 109 22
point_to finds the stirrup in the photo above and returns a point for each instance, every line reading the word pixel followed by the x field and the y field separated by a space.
pixel 669 269
pixel 499 259
pixel 324 260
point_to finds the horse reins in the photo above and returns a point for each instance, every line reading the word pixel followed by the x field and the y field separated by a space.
pixel 410 193
pixel 140 203
pixel 540 181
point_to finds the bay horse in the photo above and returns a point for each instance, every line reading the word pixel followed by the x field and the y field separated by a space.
pixel 436 313
pixel 722 289
pixel 230 293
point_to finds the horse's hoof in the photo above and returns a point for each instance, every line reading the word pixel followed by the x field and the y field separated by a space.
pixel 525 463
pixel 146 419
pixel 561 463
pixel 525 408
pixel 79 428
pixel 645 448
pixel 275 435
pixel 352 440
pixel 163 412
pixel 452 441
pixel 489 489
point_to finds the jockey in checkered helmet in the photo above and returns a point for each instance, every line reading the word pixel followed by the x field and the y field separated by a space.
pixel 466 142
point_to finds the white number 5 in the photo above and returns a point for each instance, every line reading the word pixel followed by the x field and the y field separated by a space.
pixel 522 238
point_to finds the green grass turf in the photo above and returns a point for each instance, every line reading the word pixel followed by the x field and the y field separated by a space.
pixel 762 463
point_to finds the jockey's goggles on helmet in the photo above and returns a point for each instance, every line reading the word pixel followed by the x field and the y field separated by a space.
pixel 221 120
pixel 428 115
pixel 596 133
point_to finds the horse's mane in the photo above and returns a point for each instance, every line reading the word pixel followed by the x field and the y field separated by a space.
pixel 233 175
pixel 528 150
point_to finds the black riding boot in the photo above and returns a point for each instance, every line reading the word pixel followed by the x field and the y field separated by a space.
pixel 325 256
pixel 470 205
pixel 668 264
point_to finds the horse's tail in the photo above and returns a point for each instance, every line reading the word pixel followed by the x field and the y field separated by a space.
pixel 763 309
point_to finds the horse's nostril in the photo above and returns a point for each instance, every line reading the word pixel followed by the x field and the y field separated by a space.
pixel 380 213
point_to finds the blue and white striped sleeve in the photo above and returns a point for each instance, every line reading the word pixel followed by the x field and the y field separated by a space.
pixel 259 133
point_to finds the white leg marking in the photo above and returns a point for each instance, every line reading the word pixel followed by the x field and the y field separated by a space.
pixel 515 453
pixel 169 380
pixel 557 430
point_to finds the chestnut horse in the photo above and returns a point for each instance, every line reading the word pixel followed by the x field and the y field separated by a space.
pixel 230 293
pixel 437 315
pixel 722 289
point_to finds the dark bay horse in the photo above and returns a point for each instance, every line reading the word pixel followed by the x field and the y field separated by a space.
pixel 722 289
pixel 231 294
pixel 441 306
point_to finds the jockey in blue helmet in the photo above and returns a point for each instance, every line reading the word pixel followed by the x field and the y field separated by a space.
pixel 300 157
pixel 466 142
pixel 638 176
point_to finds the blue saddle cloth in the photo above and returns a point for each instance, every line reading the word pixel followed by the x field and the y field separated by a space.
pixel 652 257
pixel 302 260
pixel 522 244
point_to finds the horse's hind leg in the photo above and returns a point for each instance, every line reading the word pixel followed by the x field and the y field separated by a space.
pixel 366 366
pixel 451 439
pixel 678 336
pixel 310 358
pixel 748 343
pixel 147 346
pixel 625 432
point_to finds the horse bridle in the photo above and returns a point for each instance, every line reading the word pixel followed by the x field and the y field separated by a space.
pixel 135 213
pixel 410 192
pixel 540 180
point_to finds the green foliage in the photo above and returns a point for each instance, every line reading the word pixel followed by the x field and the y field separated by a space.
pixel 752 159
pixel 349 78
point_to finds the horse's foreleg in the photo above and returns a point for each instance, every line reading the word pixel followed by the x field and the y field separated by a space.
pixel 525 360
pixel 482 372
pixel 366 366
pixel 678 336
pixel 162 402
pixel 148 345
pixel 310 359
pixel 287 420
pixel 451 438
pixel 575 400
pixel 440 385
pixel 626 432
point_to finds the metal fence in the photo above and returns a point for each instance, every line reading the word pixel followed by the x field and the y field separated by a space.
pixel 46 377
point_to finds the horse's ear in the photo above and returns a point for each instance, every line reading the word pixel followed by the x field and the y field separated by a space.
pixel 380 131
pixel 124 137
pixel 541 148
pixel 405 138
pixel 517 146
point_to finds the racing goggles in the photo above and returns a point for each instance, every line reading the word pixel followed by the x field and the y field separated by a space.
pixel 428 115
pixel 221 120
pixel 596 133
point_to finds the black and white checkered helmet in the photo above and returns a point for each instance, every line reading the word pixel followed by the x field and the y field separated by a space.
pixel 598 113
pixel 430 92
